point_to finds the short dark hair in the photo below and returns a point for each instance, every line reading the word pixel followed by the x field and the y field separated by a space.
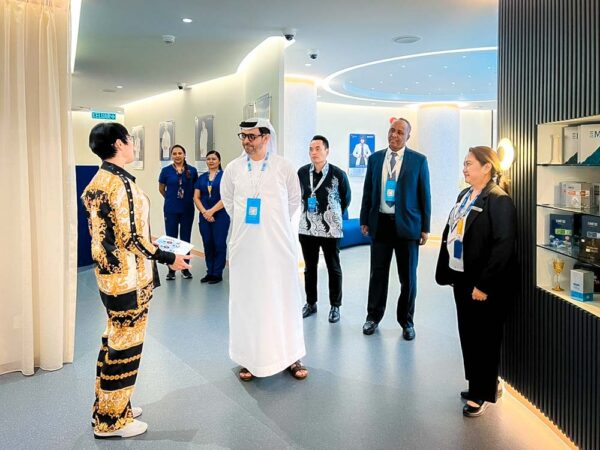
pixel 405 121
pixel 103 137
pixel 318 137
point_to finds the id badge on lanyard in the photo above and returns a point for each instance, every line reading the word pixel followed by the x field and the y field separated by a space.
pixel 390 190
pixel 312 204
pixel 253 211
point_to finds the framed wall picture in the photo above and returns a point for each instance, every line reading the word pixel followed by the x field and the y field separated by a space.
pixel 166 136
pixel 262 107
pixel 138 147
pixel 360 148
pixel 204 136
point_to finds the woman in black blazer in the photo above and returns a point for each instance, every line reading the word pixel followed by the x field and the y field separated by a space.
pixel 478 259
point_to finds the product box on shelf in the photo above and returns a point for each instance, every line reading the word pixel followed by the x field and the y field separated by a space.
pixel 570 144
pixel 582 285
pixel 561 233
pixel 589 242
pixel 589 144
pixel 576 194
pixel 591 268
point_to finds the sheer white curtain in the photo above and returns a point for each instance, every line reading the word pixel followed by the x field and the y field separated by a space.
pixel 38 230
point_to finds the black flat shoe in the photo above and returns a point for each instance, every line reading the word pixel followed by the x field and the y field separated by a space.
pixel 409 333
pixel 308 310
pixel 369 327
pixel 185 273
pixel 334 314
pixel 215 280
pixel 470 410
pixel 170 275
pixel 206 279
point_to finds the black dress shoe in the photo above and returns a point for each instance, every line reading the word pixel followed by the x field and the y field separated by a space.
pixel 215 280
pixel 334 314
pixel 185 273
pixel 475 411
pixel 206 279
pixel 409 333
pixel 170 275
pixel 369 327
pixel 308 310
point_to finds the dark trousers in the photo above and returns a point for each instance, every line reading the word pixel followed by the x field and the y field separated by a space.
pixel 480 327
pixel 331 250
pixel 214 239
pixel 180 225
pixel 386 243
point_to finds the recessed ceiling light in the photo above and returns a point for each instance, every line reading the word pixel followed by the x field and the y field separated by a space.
pixel 186 20
pixel 380 81
pixel 407 39
pixel 417 82
pixel 429 75
pixel 308 64
pixel 372 89
pixel 489 67
pixel 119 87
pixel 350 81
pixel 406 89
pixel 391 74
pixel 469 76
pixel 464 57
pixel 453 83
pixel 403 66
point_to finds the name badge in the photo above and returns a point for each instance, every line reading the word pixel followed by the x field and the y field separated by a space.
pixel 312 204
pixel 390 190
pixel 253 211
pixel 458 247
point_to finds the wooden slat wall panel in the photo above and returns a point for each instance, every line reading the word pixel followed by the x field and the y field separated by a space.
pixel 549 70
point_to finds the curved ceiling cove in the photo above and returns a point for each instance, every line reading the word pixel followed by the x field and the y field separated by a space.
pixel 460 75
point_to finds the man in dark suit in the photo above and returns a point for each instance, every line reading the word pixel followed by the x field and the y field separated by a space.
pixel 396 213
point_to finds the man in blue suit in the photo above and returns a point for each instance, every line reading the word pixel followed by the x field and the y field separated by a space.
pixel 396 213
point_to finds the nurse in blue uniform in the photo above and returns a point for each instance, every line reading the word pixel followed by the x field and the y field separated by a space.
pixel 214 221
pixel 176 184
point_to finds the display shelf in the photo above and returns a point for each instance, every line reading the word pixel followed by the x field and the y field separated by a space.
pixel 591 212
pixel 574 254
pixel 592 307
pixel 567 165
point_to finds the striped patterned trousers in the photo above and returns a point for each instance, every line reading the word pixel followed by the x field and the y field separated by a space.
pixel 119 357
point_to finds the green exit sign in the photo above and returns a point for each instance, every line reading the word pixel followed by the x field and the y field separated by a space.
pixel 103 115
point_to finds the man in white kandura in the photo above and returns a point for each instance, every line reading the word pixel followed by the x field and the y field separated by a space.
pixel 261 192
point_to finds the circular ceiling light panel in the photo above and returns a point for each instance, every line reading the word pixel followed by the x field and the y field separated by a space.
pixel 441 76
pixel 407 39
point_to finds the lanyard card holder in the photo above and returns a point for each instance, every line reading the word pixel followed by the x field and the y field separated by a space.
pixel 312 204
pixel 390 190
pixel 253 211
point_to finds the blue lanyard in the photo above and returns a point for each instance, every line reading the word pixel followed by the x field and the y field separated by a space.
pixel 263 167
pixel 463 210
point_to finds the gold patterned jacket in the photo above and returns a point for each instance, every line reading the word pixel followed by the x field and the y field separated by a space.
pixel 118 219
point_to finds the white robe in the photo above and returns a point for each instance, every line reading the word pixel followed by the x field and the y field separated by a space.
pixel 265 308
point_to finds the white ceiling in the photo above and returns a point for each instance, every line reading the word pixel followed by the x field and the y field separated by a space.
pixel 120 44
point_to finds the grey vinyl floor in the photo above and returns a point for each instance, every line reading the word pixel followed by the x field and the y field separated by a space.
pixel 363 392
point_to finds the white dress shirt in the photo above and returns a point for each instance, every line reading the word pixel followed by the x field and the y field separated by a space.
pixel 383 206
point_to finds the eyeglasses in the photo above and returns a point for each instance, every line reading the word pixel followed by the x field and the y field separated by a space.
pixel 250 137
pixel 130 138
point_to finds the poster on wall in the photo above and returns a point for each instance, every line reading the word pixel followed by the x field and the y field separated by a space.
pixel 138 147
pixel 262 107
pixel 204 136
pixel 166 136
pixel 361 147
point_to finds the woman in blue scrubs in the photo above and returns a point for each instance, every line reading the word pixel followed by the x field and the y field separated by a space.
pixel 176 184
pixel 214 221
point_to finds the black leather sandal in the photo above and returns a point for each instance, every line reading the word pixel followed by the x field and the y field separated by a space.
pixel 297 367
pixel 247 375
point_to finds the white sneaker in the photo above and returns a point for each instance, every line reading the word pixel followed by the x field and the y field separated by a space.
pixel 135 428
pixel 136 411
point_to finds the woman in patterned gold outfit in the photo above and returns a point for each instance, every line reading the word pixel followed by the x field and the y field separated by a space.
pixel 117 211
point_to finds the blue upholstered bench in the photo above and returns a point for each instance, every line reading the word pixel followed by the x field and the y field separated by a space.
pixel 352 234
